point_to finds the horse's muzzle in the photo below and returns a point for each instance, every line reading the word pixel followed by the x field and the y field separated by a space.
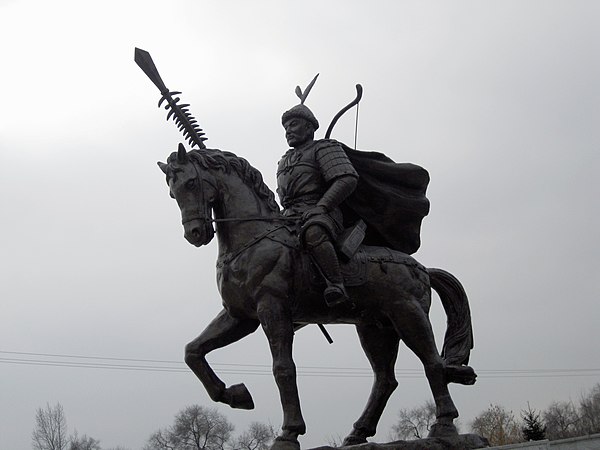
pixel 198 232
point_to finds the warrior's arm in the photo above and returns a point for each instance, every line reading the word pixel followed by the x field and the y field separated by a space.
pixel 339 190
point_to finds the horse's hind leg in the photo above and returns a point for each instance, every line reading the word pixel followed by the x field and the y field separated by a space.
pixel 381 347
pixel 222 331
pixel 412 321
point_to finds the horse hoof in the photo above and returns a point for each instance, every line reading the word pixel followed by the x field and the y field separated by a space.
pixel 443 429
pixel 354 439
pixel 461 374
pixel 238 396
pixel 284 443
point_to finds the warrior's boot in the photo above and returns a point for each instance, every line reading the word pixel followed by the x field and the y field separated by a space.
pixel 326 259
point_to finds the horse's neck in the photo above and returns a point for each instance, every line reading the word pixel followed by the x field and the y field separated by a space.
pixel 237 204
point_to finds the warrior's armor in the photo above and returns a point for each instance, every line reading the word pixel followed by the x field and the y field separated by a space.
pixel 305 174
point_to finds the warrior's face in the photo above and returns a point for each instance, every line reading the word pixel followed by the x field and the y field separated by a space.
pixel 298 131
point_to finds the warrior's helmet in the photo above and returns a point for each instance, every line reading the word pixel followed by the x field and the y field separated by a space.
pixel 301 110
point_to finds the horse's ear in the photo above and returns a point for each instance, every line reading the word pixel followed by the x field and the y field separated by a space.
pixel 181 154
pixel 162 166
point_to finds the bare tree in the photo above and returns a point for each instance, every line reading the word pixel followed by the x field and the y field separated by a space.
pixel 84 442
pixel 258 436
pixel 562 420
pixel 160 440
pixel 194 428
pixel 414 423
pixel 497 425
pixel 589 412
pixel 50 432
pixel 335 440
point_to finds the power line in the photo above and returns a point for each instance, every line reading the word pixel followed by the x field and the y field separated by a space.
pixel 171 361
pixel 151 368
pixel 152 365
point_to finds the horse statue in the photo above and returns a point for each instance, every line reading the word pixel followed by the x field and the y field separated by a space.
pixel 264 280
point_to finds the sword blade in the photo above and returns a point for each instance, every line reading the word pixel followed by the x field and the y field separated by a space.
pixel 180 113
pixel 145 62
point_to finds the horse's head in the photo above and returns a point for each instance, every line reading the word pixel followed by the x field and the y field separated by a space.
pixel 195 191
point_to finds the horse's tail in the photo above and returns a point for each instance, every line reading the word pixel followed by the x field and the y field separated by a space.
pixel 458 340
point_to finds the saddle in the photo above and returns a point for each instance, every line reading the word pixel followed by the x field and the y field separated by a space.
pixel 354 258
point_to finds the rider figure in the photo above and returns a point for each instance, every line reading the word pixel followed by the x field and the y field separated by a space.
pixel 313 178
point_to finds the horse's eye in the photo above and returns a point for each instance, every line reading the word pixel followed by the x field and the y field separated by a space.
pixel 190 184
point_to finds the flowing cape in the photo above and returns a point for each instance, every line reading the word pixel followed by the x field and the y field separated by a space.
pixel 390 198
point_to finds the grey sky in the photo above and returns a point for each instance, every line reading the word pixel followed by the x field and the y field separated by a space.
pixel 499 100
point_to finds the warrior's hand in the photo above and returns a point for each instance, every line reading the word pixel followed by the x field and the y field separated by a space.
pixel 314 211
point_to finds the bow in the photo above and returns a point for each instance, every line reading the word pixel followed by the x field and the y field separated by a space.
pixel 359 92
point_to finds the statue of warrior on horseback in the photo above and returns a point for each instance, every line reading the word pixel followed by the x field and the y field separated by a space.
pixel 318 181
pixel 267 258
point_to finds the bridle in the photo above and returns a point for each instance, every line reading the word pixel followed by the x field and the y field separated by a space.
pixel 209 219
pixel 201 203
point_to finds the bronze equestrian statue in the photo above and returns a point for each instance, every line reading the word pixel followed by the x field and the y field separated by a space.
pixel 270 270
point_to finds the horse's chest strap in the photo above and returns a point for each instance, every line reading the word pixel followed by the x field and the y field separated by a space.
pixel 225 259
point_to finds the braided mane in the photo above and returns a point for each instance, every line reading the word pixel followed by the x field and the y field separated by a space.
pixel 226 161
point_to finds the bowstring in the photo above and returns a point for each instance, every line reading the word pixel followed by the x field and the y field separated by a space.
pixel 356 125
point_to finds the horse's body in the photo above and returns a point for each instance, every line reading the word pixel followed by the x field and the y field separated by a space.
pixel 259 284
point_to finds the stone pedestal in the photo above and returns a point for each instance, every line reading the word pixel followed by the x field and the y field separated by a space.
pixel 459 442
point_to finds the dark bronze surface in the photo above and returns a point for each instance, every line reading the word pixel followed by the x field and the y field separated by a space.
pixel 261 281
pixel 271 268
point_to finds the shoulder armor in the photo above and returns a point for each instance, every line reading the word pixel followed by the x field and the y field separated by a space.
pixel 332 159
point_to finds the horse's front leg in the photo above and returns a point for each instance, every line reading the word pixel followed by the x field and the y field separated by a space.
pixel 222 331
pixel 277 324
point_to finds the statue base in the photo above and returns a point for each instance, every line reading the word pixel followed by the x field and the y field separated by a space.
pixel 458 442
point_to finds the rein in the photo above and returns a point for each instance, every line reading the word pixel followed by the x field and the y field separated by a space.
pixel 265 219
pixel 228 257
pixel 244 219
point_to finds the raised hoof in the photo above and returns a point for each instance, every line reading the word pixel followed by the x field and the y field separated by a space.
pixel 284 443
pixel 354 439
pixel 461 374
pixel 443 429
pixel 238 396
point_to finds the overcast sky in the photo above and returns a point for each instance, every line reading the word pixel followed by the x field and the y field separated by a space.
pixel 499 100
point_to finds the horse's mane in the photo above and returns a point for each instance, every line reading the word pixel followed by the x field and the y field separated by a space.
pixel 225 161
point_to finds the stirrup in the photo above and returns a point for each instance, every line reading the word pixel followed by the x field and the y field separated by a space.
pixel 335 294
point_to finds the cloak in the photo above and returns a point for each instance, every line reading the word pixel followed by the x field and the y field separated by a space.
pixel 390 198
